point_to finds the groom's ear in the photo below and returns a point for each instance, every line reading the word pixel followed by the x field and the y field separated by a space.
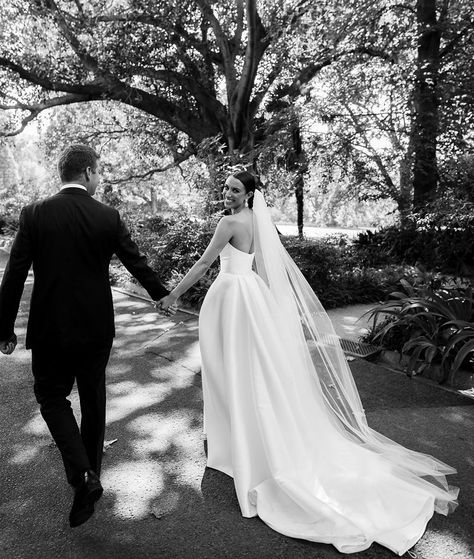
pixel 88 171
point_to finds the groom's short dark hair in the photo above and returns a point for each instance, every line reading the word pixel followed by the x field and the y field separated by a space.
pixel 75 159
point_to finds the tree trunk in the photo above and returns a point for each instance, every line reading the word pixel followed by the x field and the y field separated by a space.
pixel 296 164
pixel 425 172
pixel 405 197
pixel 299 193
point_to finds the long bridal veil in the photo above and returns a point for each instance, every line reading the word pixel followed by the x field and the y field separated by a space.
pixel 311 333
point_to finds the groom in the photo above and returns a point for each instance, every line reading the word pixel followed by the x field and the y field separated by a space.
pixel 70 238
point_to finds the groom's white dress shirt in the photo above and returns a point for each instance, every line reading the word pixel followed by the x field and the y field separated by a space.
pixel 73 185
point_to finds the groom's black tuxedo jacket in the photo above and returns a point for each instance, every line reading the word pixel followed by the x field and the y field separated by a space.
pixel 70 239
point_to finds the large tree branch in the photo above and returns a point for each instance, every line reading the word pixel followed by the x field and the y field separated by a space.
pixel 46 83
pixel 265 86
pixel 173 113
pixel 370 151
pixel 239 24
pixel 109 86
pixel 256 45
pixel 88 61
pixel 178 158
pixel 155 105
pixel 227 53
pixel 201 94
pixel 175 33
pixel 222 40
pixel 36 108
pixel 311 70
pixel 254 51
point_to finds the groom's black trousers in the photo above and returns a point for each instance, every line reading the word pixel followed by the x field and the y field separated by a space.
pixel 55 371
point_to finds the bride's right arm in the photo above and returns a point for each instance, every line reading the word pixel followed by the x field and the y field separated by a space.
pixel 222 235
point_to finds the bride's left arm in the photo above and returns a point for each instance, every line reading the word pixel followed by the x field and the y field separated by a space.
pixel 221 237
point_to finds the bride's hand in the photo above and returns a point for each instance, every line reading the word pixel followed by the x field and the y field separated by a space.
pixel 167 305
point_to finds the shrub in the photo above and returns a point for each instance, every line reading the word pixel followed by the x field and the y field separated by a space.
pixel 331 266
pixel 333 269
pixel 432 319
pixel 442 238
pixel 8 225
pixel 388 244
pixel 387 331
pixel 172 246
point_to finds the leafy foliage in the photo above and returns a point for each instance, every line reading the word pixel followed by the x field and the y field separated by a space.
pixel 200 66
pixel 432 319
pixel 8 225
pixel 235 77
pixel 172 246
pixel 442 238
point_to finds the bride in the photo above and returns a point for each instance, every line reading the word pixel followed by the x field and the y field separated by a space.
pixel 282 413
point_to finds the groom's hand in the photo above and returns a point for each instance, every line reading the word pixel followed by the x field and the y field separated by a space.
pixel 8 346
pixel 167 305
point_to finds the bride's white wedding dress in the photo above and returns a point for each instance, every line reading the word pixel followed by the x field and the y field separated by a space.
pixel 298 461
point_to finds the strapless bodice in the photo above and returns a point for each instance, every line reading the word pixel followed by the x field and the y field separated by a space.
pixel 234 261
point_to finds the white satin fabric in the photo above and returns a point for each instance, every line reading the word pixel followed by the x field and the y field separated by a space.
pixel 268 427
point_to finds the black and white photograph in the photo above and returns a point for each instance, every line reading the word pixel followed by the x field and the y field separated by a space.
pixel 236 279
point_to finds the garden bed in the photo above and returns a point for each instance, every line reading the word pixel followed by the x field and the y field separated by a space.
pixel 426 328
pixel 464 379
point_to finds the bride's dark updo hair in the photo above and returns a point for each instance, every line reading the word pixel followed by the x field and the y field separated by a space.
pixel 249 182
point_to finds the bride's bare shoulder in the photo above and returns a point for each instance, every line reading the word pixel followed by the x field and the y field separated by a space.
pixel 231 219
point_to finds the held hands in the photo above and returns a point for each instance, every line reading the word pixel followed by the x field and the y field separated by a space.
pixel 167 305
pixel 8 346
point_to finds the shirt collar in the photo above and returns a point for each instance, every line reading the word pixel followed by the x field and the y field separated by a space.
pixel 73 185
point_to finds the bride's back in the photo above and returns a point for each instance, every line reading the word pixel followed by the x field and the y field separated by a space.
pixel 242 239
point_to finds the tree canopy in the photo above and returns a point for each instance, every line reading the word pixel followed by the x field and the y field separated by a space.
pixel 244 76
pixel 203 67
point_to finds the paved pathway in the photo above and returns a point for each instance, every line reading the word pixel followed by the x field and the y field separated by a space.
pixel 160 501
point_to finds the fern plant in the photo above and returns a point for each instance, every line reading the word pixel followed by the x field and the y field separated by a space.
pixel 438 323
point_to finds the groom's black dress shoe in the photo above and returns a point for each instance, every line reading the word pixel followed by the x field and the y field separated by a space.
pixel 88 490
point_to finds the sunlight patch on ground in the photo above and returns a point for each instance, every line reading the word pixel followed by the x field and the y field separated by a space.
pixel 444 544
pixel 21 355
pixel 124 301
pixel 134 485
pixel 151 318
pixel 456 417
pixel 118 368
pixel 135 329
pixel 128 397
pixel 136 398
pixel 36 426
pixel 23 454
pixel 190 473
pixel 159 432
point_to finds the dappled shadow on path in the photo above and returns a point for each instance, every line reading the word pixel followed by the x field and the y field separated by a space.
pixel 160 500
